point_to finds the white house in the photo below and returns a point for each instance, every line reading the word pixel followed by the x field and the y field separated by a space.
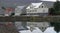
pixel 39 9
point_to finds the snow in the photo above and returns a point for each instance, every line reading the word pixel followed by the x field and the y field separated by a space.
pixel 37 30
pixel 35 5
pixel 21 7
pixel 18 10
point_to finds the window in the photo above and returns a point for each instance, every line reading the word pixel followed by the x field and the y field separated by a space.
pixel 42 6
pixel 39 6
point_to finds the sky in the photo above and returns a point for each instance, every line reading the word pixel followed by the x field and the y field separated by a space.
pixel 50 0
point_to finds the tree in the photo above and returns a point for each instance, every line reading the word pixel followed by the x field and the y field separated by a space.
pixel 3 8
pixel 51 11
pixel 12 14
pixel 56 26
pixel 56 8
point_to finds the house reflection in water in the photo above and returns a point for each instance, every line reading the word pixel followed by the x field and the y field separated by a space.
pixel 37 30
pixel 43 27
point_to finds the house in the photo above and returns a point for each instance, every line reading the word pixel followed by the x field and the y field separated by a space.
pixel 9 11
pixel 18 10
pixel 19 3
pixel 40 9
pixel 35 9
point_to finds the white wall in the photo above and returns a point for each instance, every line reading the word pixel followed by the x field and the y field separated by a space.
pixel 39 10
pixel 42 10
pixel 18 12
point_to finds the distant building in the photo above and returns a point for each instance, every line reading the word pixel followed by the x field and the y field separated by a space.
pixel 18 10
pixel 9 11
pixel 15 4
pixel 39 9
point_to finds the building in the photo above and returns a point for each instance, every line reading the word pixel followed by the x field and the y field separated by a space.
pixel 18 10
pixel 39 9
pixel 9 11
pixel 14 4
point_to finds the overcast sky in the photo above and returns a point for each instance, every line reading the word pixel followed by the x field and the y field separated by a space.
pixel 50 0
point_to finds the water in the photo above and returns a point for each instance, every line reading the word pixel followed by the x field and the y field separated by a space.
pixel 37 30
pixel 34 27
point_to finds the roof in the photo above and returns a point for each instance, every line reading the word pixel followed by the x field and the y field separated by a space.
pixel 37 4
pixel 21 7
pixel 34 5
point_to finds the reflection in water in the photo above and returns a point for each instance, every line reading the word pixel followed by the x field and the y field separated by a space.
pixel 51 27
pixel 37 30
pixel 7 27
pixel 35 27
pixel 56 26
pixel 41 25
